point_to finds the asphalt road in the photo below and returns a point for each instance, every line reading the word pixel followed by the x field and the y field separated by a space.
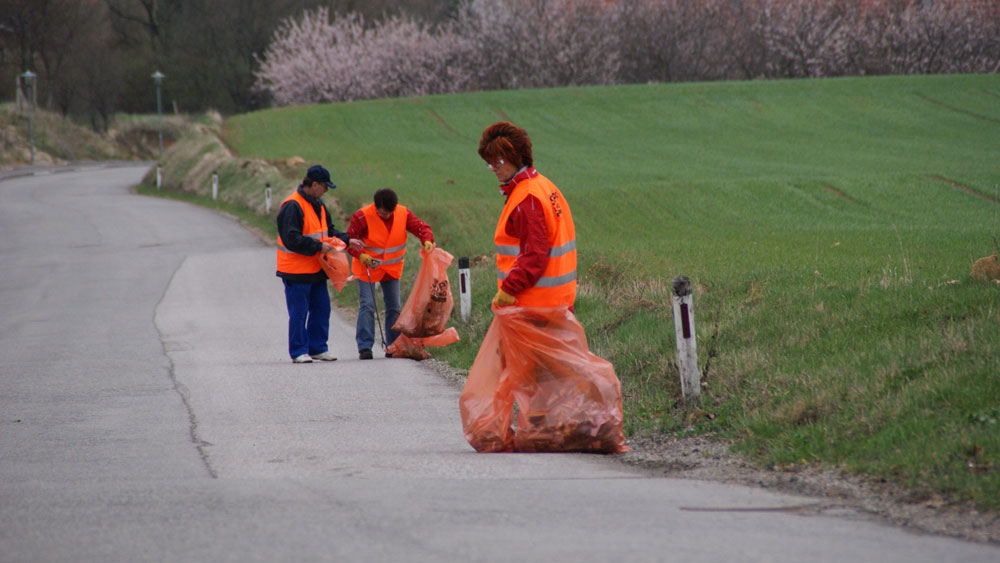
pixel 150 413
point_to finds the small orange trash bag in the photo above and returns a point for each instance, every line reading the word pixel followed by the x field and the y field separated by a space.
pixel 568 400
pixel 406 347
pixel 335 264
pixel 429 305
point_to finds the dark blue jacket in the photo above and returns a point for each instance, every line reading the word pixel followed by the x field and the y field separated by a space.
pixel 290 221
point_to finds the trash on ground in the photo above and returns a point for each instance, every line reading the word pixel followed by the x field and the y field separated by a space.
pixel 568 399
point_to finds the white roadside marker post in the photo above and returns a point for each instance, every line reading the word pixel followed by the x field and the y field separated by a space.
pixel 687 350
pixel 215 185
pixel 464 287
pixel 267 197
pixel 159 176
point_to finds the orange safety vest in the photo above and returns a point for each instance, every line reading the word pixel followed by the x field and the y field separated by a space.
pixel 558 282
pixel 291 262
pixel 382 244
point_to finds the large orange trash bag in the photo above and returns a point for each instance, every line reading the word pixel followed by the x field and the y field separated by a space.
pixel 406 347
pixel 568 400
pixel 335 264
pixel 429 305
pixel 486 404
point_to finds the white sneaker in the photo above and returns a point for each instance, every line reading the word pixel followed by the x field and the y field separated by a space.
pixel 324 357
pixel 303 359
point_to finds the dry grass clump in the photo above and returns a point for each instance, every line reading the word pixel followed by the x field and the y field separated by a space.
pixel 986 269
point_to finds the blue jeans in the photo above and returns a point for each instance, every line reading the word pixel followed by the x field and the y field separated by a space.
pixel 366 312
pixel 308 317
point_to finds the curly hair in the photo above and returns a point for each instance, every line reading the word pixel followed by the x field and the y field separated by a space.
pixel 507 141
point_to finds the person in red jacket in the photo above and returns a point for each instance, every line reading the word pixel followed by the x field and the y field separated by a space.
pixel 378 258
pixel 535 237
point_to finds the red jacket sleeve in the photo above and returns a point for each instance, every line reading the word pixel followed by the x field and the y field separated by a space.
pixel 527 223
pixel 418 228
pixel 357 229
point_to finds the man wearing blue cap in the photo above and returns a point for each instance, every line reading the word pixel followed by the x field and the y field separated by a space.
pixel 303 221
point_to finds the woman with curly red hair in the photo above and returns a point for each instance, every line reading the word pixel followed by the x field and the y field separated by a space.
pixel 535 355
pixel 535 238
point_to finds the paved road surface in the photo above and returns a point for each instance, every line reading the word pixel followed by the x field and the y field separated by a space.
pixel 150 413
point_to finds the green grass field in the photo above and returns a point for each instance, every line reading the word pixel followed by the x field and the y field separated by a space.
pixel 829 226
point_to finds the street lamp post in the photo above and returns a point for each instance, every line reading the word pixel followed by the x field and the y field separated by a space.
pixel 29 79
pixel 158 78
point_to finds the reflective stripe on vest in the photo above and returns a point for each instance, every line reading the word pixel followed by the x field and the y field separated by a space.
pixel 546 281
pixel 556 251
pixel 382 244
pixel 557 285
pixel 314 227
pixel 386 251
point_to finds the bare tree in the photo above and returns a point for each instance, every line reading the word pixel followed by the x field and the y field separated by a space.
pixel 144 20
pixel 536 43
pixel 73 34
pixel 801 38
pixel 908 36
pixel 669 40
pixel 52 37
pixel 21 23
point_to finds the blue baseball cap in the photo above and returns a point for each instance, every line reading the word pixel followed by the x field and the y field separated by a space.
pixel 319 174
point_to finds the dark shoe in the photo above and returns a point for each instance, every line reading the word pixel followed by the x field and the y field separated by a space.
pixel 365 354
pixel 388 355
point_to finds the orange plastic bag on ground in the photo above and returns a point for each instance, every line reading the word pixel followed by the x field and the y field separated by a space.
pixel 406 347
pixel 335 264
pixel 568 400
pixel 487 409
pixel 429 305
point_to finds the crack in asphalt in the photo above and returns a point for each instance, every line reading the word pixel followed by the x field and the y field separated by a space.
pixel 182 389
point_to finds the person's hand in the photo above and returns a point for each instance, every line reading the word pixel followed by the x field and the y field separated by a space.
pixel 429 246
pixel 503 299
pixel 366 260
pixel 356 244
pixel 326 247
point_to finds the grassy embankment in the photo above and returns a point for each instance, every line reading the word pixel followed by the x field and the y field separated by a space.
pixel 58 139
pixel 829 227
